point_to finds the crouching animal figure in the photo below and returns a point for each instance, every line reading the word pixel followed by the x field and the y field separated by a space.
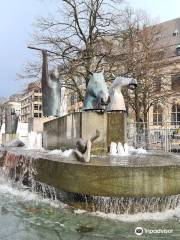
pixel 83 148
pixel 116 98
pixel 97 96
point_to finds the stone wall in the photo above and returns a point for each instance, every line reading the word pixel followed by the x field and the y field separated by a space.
pixel 36 124
pixel 8 137
pixel 63 132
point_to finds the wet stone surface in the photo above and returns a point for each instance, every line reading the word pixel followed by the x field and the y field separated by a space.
pixel 143 175
pixel 137 160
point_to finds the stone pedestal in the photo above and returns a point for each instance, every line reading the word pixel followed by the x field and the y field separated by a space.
pixel 8 137
pixel 63 132
pixel 36 124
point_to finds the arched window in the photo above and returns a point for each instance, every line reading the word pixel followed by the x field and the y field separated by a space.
pixel 175 81
pixel 175 114
pixel 157 84
pixel 178 50
pixel 175 33
pixel 157 115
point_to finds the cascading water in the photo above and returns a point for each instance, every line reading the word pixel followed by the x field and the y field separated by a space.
pixel 46 219
pixel 133 205
pixel 34 140
pixel 2 131
pixel 21 168
pixel 22 132
pixel 2 128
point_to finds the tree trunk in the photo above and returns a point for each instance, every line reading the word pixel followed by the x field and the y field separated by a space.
pixel 146 129
pixel 139 126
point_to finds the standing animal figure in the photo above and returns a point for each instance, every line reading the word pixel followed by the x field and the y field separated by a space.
pixel 97 96
pixel 11 120
pixel 116 98
pixel 51 90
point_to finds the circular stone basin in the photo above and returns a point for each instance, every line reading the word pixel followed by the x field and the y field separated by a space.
pixel 149 175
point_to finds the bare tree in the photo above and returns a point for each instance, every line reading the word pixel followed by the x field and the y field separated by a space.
pixel 87 35
pixel 78 38
pixel 144 60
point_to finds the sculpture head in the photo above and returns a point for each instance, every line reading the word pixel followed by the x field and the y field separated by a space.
pixel 97 96
pixel 132 84
pixel 121 82
pixel 54 74
pixel 81 145
pixel 116 98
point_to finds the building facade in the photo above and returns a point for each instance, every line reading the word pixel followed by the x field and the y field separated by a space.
pixel 31 102
pixel 168 112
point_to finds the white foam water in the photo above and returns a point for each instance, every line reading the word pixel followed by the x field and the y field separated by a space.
pixel 55 151
pixel 118 149
pixel 61 153
pixel 2 128
pixel 113 149
pixel 80 211
pixel 22 132
pixel 157 216
pixel 8 188
pixel 34 140
pixel 122 151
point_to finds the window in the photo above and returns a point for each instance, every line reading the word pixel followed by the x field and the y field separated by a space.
pixel 175 33
pixel 35 98
pixel 175 81
pixel 36 107
pixel 72 99
pixel 178 50
pixel 40 115
pixel 157 37
pixel 157 115
pixel 35 114
pixel 175 114
pixel 157 84
pixel 37 91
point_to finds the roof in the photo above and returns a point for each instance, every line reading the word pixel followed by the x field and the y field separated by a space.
pixel 170 36
pixel 34 85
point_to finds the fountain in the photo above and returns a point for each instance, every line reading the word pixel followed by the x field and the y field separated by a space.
pixel 115 178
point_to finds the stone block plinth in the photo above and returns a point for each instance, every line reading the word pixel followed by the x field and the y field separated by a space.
pixel 63 132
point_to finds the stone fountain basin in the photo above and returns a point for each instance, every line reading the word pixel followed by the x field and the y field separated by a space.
pixel 153 174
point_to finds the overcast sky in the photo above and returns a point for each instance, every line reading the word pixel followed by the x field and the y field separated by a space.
pixel 17 17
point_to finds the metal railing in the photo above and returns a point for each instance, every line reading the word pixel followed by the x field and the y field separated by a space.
pixel 165 137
